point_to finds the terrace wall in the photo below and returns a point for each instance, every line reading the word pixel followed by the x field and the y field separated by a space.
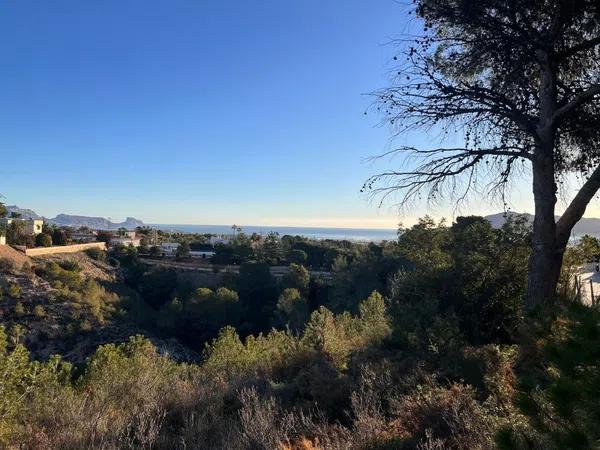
pixel 39 251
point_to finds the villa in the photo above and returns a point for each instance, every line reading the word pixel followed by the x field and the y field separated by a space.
pixel 219 239
pixel 84 237
pixel 126 241
pixel 32 226
pixel 169 248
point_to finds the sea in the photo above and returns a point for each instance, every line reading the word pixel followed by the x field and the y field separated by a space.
pixel 350 234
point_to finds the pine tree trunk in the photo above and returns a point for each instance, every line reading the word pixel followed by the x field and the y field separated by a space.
pixel 546 256
pixel 547 253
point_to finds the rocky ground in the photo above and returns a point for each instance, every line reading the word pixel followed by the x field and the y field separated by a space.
pixel 34 314
pixel 96 270
pixel 18 258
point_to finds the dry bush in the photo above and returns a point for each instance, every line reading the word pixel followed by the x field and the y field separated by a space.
pixel 75 420
pixel 204 419
pixel 121 401
pixel 7 265
pixel 264 425
pixel 448 414
pixel 372 425
pixel 431 443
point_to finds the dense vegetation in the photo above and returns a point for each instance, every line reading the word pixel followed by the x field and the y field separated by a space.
pixel 417 343
pixel 422 343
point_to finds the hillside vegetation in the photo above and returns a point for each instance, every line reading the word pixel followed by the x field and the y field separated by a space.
pixel 414 344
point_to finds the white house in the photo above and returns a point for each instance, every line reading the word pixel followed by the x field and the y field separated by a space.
pixel 204 254
pixel 169 248
pixel 32 226
pixel 84 236
pixel 223 239
pixel 126 241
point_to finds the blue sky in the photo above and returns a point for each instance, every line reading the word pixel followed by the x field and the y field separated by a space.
pixel 197 111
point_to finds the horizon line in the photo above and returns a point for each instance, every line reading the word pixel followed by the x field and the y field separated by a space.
pixel 267 226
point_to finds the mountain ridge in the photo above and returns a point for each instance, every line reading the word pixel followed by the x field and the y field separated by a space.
pixel 587 225
pixel 71 220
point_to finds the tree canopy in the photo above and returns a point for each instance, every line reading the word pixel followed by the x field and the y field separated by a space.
pixel 511 87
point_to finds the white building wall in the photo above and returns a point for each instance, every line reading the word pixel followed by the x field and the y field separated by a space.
pixel 34 226
pixel 126 241
pixel 31 226
pixel 169 247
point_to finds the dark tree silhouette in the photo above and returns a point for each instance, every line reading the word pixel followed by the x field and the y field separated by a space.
pixel 519 81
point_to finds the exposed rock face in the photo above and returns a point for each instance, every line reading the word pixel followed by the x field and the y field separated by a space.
pixel 25 213
pixel 98 223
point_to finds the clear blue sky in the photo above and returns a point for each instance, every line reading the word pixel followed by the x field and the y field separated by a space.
pixel 195 111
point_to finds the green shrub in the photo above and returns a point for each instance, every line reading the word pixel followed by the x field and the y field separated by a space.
pixel 292 310
pixel 558 382
pixel 70 265
pixel 19 309
pixel 339 336
pixel 64 274
pixel 3 340
pixel 297 277
pixel 298 256
pixel 211 310
pixel 74 289
pixel 6 265
pixel 25 384
pixel 228 357
pixel 114 262
pixel 374 321
pixel 43 240
pixel 96 254
pixel 27 268
pixel 14 290
pixel 85 326
pixel 39 311
pixel 121 397
pixel 334 336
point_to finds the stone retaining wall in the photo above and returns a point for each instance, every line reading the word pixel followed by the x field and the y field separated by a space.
pixel 64 249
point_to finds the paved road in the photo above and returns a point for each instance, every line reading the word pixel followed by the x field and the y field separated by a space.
pixel 276 271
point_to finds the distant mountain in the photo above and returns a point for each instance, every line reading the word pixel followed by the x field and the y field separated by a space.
pixel 98 223
pixel 26 213
pixel 497 220
pixel 584 226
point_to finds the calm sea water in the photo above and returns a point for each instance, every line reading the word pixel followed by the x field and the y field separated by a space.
pixel 351 234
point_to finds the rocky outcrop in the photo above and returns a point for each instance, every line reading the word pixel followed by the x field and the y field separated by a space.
pixel 97 223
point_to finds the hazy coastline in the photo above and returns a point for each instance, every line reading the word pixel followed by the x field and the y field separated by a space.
pixel 351 234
